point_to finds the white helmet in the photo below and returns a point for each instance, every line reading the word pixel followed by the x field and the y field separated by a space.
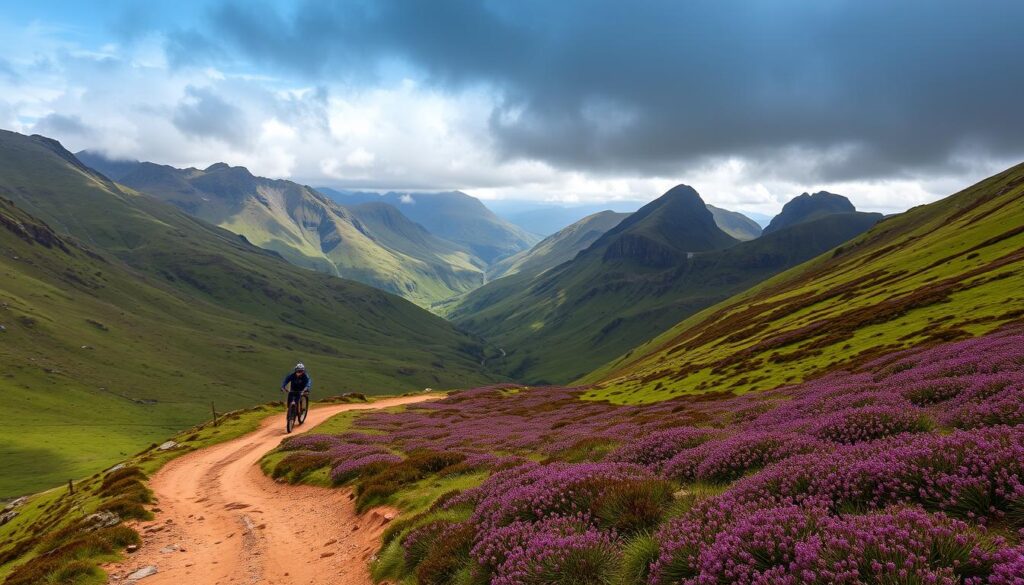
pixel 300 366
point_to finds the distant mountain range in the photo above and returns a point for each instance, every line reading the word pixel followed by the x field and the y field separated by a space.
pixel 452 215
pixel 668 260
pixel 370 242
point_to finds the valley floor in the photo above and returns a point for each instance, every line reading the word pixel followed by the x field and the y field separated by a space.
pixel 221 520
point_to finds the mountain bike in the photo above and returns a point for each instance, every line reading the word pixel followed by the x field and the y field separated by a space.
pixel 297 412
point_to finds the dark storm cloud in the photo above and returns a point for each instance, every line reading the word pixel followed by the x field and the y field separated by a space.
pixel 875 89
pixel 205 114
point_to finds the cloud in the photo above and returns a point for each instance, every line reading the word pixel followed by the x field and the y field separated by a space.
pixel 407 199
pixel 893 104
pixel 887 89
pixel 60 125
pixel 202 113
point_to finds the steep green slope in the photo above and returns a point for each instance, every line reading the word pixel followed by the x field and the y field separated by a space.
pixel 559 247
pixel 735 223
pixel 309 229
pixel 113 342
pixel 630 284
pixel 464 220
pixel 946 270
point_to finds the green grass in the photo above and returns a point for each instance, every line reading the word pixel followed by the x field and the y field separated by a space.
pixel 123 332
pixel 951 269
pixel 46 513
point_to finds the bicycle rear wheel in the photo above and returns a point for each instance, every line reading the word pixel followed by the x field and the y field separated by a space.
pixel 290 422
pixel 303 409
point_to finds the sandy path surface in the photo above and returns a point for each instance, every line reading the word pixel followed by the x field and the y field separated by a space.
pixel 222 521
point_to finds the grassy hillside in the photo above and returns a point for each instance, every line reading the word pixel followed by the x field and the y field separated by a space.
pixel 376 247
pixel 559 247
pixel 125 331
pixel 735 223
pixel 951 269
pixel 634 281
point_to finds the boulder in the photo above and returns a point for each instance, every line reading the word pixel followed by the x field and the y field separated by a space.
pixel 104 519
pixel 147 571
pixel 7 516
pixel 167 446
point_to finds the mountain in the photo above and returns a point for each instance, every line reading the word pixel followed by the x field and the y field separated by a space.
pixel 663 232
pixel 546 218
pixel 735 223
pixel 560 247
pixel 464 220
pixel 310 230
pixel 124 318
pixel 349 198
pixel 661 264
pixel 806 207
pixel 947 270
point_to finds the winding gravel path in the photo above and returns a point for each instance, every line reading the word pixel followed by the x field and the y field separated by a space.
pixel 222 521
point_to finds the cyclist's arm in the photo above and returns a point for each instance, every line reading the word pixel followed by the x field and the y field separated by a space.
pixel 284 383
pixel 309 383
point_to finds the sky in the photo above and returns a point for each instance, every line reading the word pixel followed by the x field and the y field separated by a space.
pixel 893 104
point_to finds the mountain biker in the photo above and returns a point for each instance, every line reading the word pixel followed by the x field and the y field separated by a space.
pixel 297 383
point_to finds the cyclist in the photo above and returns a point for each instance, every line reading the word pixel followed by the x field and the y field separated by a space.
pixel 297 383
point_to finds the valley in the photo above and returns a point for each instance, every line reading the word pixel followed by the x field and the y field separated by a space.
pixel 511 293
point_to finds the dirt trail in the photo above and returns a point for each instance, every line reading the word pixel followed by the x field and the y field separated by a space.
pixel 222 521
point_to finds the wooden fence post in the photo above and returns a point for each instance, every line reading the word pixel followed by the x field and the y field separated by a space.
pixel 71 487
pixel 213 409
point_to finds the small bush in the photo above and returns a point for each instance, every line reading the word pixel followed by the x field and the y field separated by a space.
pixel 127 507
pixel 633 506
pixel 448 555
pixel 299 464
pixel 122 474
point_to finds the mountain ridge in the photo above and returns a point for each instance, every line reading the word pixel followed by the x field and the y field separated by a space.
pixel 566 319
pixel 310 229
pixel 946 270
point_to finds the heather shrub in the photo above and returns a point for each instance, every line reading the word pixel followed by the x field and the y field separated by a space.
pixel 299 464
pixel 869 423
pixel 420 540
pixel 929 392
pixel 370 465
pixel 731 458
pixel 655 449
pixel 1008 568
pixel 589 557
pixel 1005 407
pixel 895 546
pixel 558 489
pixel 447 557
pixel 757 548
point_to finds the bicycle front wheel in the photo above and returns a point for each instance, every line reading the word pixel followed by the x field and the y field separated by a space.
pixel 303 409
pixel 290 422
